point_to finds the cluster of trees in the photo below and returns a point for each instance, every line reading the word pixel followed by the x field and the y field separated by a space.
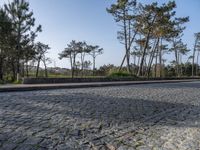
pixel 19 51
pixel 17 40
pixel 148 32
pixel 168 70
pixel 79 50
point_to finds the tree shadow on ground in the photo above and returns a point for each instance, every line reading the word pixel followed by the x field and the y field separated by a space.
pixel 47 121
pixel 106 109
pixel 173 85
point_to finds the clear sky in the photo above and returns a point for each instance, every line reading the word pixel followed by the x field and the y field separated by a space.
pixel 87 20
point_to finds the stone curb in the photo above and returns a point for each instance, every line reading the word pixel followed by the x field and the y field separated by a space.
pixel 18 88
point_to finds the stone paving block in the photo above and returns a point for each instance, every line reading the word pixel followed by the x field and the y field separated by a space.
pixel 153 116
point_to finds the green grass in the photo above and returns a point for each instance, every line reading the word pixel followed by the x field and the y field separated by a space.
pixel 121 74
pixel 51 75
pixel 2 82
pixel 17 82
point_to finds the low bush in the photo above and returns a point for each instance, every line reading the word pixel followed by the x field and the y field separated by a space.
pixel 121 74
pixel 2 82
pixel 17 82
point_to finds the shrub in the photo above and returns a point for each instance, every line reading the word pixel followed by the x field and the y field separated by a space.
pixel 17 82
pixel 1 82
pixel 114 74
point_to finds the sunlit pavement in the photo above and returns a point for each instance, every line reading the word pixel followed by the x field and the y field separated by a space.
pixel 153 116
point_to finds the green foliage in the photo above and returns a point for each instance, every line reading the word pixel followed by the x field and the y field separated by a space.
pixel 17 37
pixel 17 82
pixel 120 74
pixel 1 82
pixel 74 49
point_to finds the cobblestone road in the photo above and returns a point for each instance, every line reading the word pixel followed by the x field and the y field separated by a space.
pixel 144 117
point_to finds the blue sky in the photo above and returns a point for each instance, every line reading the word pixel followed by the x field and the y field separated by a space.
pixel 87 20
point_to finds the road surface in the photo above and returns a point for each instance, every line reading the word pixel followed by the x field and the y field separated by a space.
pixel 147 116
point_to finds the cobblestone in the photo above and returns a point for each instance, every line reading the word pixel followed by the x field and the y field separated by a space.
pixel 137 117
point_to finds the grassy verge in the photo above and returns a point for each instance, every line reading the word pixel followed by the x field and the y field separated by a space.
pixel 121 74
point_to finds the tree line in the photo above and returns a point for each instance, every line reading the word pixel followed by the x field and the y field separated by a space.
pixel 19 49
pixel 149 32
pixel 81 49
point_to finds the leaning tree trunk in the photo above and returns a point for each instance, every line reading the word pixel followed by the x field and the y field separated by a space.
pixel 146 46
pixel 143 55
pixel 120 68
pixel 128 47
pixel 152 57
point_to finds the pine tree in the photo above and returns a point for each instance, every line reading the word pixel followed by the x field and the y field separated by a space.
pixel 22 24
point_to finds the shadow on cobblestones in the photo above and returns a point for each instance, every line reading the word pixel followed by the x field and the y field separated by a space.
pixel 173 85
pixel 35 110
pixel 73 119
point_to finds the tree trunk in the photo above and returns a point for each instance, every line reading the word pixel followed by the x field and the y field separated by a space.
pixel 134 60
pixel 1 68
pixel 122 62
pixel 143 54
pixel 128 47
pixel 156 62
pixel 82 63
pixel 94 65
pixel 71 63
pixel 38 66
pixel 146 46
pixel 18 70
pixel 13 70
pixel 74 64
pixel 177 61
pixel 18 52
pixel 144 66
pixel 197 67
pixel 23 69
pixel 193 63
pixel 152 57
pixel 160 59
pixel 46 73
pixel 138 63
pixel 45 68
pixel 27 69
pixel 194 51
